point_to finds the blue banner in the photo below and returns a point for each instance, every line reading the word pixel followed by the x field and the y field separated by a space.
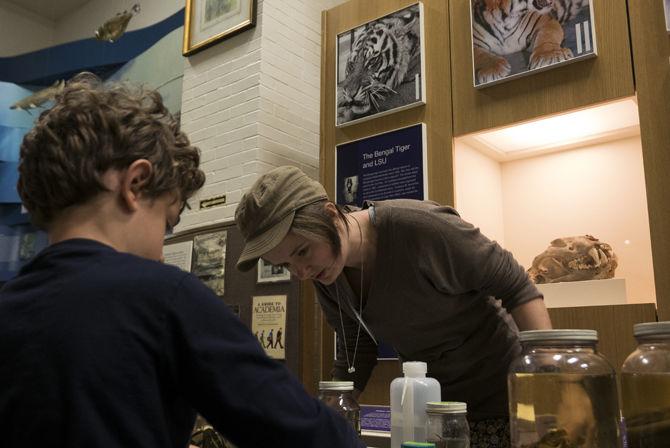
pixel 9 175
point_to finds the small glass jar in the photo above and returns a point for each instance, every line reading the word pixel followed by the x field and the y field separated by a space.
pixel 562 392
pixel 338 396
pixel 645 388
pixel 447 425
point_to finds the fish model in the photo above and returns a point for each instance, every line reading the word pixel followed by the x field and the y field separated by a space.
pixel 40 97
pixel 572 259
pixel 113 29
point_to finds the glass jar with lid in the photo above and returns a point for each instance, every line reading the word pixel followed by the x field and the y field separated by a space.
pixel 645 387
pixel 562 392
pixel 338 395
pixel 447 425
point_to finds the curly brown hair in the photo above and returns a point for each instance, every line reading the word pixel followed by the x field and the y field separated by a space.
pixel 94 127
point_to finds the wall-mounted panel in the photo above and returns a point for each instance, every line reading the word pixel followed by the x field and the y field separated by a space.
pixel 436 113
pixel 651 54
pixel 605 77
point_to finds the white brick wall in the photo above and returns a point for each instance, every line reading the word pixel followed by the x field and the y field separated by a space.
pixel 251 103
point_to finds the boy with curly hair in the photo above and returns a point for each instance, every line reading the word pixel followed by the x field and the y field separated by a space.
pixel 103 345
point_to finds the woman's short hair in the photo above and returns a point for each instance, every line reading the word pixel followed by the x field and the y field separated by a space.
pixel 92 128
pixel 315 223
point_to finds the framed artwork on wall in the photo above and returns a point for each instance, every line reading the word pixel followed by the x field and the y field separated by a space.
pixel 666 9
pixel 380 66
pixel 207 22
pixel 511 39
pixel 268 273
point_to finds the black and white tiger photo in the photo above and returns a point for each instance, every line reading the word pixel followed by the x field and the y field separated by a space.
pixel 512 38
pixel 380 66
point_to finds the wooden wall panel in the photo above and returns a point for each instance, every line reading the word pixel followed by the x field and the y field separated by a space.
pixel 436 113
pixel 606 77
pixel 614 324
pixel 651 54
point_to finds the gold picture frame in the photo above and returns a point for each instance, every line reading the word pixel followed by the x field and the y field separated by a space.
pixel 207 22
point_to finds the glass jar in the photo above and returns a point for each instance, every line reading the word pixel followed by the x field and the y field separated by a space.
pixel 562 392
pixel 645 387
pixel 447 426
pixel 338 396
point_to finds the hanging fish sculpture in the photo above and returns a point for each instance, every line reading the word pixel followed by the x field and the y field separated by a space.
pixel 113 29
pixel 572 259
pixel 40 97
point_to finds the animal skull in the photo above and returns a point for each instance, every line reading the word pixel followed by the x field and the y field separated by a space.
pixel 572 259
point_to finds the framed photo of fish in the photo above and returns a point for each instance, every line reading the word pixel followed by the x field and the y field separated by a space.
pixel 514 38
pixel 207 22
pixel 380 67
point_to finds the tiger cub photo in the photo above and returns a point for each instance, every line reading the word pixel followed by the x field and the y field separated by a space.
pixel 379 66
pixel 510 37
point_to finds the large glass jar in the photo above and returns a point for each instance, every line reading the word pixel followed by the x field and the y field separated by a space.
pixel 447 425
pixel 338 396
pixel 645 387
pixel 562 392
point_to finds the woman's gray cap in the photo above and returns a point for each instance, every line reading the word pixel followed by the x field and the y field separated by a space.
pixel 266 211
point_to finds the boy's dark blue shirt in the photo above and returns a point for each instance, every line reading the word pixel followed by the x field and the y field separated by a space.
pixel 103 348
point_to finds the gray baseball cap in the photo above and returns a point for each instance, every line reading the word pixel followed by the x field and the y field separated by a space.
pixel 265 213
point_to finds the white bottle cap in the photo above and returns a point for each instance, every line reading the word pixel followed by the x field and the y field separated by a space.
pixel 414 368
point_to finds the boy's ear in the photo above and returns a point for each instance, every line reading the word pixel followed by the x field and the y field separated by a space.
pixel 135 178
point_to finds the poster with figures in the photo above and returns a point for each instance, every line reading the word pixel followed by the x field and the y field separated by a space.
pixel 209 260
pixel 268 323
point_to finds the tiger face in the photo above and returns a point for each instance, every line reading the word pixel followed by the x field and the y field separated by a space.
pixel 379 61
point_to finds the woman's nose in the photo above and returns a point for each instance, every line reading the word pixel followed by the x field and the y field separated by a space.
pixel 302 272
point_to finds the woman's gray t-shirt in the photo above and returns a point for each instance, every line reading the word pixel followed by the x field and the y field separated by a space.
pixel 440 293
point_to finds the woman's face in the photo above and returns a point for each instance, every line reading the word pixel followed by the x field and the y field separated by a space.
pixel 307 259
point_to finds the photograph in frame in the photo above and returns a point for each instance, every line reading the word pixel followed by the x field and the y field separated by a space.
pixel 269 273
pixel 511 39
pixel 209 260
pixel 380 66
pixel 666 10
pixel 207 22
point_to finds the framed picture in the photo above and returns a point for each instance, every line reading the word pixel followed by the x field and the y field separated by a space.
pixel 269 273
pixel 207 22
pixel 666 9
pixel 380 67
pixel 384 166
pixel 515 39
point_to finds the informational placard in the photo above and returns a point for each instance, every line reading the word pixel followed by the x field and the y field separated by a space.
pixel 268 323
pixel 385 166
pixel 179 254
pixel 375 419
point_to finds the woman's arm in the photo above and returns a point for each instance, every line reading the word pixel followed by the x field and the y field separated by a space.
pixel 532 315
